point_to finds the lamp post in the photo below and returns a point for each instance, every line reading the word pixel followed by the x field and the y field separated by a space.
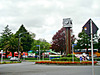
pixel 19 42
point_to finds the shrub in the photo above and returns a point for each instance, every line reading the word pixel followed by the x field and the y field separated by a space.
pixel 65 59
pixel 4 62
pixel 30 58
pixel 70 55
pixel 95 59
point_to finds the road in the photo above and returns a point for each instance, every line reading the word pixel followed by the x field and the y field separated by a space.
pixel 29 68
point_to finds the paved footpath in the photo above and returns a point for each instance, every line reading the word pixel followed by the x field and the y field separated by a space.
pixel 29 68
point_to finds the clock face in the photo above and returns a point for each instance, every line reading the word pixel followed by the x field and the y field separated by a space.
pixel 67 22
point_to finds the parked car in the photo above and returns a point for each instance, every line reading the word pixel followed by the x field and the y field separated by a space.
pixel 14 59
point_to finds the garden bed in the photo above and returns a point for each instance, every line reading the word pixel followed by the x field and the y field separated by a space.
pixel 66 62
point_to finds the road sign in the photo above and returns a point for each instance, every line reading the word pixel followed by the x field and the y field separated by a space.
pixel 87 27
pixel 90 28
pixel 37 45
pixel 74 45
pixel 80 58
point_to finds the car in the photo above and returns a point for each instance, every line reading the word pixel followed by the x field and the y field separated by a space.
pixel 14 59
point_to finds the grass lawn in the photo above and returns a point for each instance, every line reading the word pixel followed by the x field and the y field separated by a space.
pixel 10 62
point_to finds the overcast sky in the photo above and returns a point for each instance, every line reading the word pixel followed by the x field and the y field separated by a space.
pixel 44 17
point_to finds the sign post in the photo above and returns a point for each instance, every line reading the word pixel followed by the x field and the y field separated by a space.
pixel 90 28
pixel 73 51
pixel 39 51
pixel 92 48
pixel 43 56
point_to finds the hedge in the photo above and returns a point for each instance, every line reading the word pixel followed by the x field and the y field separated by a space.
pixel 36 58
pixel 65 59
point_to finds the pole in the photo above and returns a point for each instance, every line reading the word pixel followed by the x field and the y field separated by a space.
pixel 92 48
pixel 39 52
pixel 19 43
pixel 1 56
pixel 18 46
pixel 43 56
pixel 72 53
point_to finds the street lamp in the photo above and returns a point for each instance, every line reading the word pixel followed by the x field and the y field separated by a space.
pixel 19 42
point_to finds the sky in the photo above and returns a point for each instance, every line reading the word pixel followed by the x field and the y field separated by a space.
pixel 45 17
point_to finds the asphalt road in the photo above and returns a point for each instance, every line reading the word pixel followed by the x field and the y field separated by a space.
pixel 29 68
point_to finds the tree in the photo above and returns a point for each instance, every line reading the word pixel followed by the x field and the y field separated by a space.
pixel 5 37
pixel 12 45
pixel 32 35
pixel 43 45
pixel 25 38
pixel 58 41
pixel 84 41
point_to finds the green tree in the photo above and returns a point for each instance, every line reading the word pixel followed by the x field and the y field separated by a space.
pixel 25 38
pixel 12 45
pixel 43 45
pixel 84 41
pixel 5 37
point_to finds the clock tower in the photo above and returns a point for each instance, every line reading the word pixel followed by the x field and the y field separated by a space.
pixel 67 24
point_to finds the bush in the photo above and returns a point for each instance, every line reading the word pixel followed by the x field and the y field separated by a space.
pixel 65 59
pixel 70 55
pixel 36 58
pixel 30 58
pixel 4 62
pixel 95 59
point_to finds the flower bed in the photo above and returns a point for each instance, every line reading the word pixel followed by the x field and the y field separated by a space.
pixel 65 62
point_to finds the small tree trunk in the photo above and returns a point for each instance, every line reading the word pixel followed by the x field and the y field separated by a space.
pixel 6 54
pixel 87 51
pixel 12 54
